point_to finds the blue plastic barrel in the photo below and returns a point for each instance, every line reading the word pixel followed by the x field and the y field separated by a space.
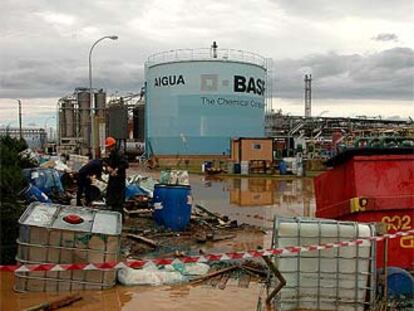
pixel 400 282
pixel 158 199
pixel 172 206
pixel 33 193
pixel 46 179
pixel 282 167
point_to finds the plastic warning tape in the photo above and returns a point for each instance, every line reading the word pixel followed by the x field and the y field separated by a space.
pixel 52 267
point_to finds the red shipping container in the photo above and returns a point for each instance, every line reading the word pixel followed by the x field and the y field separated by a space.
pixel 372 188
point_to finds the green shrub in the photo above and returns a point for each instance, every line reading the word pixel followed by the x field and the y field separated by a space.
pixel 11 206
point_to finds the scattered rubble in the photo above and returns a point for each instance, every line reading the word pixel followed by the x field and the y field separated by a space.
pixel 143 237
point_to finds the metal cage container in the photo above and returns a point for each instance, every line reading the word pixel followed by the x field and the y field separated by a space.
pixel 330 279
pixel 46 237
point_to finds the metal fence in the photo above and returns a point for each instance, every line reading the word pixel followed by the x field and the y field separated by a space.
pixel 206 54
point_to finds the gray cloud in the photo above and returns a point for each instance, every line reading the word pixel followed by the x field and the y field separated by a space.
pixel 387 75
pixel 45 43
pixel 54 78
pixel 385 37
pixel 324 9
pixel 382 75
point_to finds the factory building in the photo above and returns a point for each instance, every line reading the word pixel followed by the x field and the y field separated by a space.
pixel 197 100
pixel 36 138
pixel 74 119
pixel 120 117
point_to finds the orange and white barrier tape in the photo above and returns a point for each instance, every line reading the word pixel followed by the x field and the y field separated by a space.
pixel 196 259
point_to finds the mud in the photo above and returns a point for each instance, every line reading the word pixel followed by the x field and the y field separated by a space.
pixel 142 298
pixel 255 201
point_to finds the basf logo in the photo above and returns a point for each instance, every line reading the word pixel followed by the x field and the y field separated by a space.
pixel 240 84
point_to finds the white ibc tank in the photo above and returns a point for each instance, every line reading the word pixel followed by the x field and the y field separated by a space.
pixel 329 279
pixel 59 234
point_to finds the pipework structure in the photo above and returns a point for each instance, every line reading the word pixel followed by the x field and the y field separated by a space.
pixel 74 122
pixel 291 131
pixel 110 117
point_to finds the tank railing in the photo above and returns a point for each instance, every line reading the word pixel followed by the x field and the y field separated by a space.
pixel 206 54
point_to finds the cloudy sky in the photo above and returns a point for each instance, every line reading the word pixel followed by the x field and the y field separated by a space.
pixel 360 52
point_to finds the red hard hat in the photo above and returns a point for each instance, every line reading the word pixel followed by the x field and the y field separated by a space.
pixel 110 141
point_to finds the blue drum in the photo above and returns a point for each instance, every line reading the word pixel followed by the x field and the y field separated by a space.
pixel 172 206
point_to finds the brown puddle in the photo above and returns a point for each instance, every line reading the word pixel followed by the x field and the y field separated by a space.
pixel 255 200
pixel 249 200
pixel 148 298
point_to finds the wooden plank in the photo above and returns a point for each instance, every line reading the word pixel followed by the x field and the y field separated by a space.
pixel 213 274
pixel 205 210
pixel 211 280
pixel 214 281
pixel 217 238
pixel 143 239
pixel 223 282
pixel 259 272
pixel 244 280
pixel 55 305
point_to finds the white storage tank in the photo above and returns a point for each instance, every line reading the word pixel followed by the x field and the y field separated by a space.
pixel 197 99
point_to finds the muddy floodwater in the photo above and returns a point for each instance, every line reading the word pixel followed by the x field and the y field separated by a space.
pixel 255 201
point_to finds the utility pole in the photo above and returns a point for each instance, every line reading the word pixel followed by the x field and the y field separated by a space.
pixel 20 118
pixel 308 96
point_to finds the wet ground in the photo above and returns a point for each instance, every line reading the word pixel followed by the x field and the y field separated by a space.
pixel 253 201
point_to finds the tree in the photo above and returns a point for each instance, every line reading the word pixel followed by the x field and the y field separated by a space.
pixel 11 206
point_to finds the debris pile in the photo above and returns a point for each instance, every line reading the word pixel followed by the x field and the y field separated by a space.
pixel 207 230
pixel 221 273
pixel 168 274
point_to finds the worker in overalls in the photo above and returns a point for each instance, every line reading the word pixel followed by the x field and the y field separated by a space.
pixel 92 169
pixel 116 167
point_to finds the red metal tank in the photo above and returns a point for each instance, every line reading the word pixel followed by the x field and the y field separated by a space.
pixel 372 185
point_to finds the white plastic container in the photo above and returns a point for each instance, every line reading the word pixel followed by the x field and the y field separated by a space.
pixel 330 279
pixel 46 237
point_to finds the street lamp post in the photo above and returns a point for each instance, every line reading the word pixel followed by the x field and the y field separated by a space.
pixel 20 118
pixel 91 101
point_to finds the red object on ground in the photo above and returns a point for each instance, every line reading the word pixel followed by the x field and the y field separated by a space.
pixel 73 219
pixel 373 188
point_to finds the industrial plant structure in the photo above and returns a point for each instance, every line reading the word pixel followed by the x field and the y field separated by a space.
pixel 196 103
pixel 317 137
pixel 36 138
pixel 74 120
pixel 196 100
pixel 110 118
